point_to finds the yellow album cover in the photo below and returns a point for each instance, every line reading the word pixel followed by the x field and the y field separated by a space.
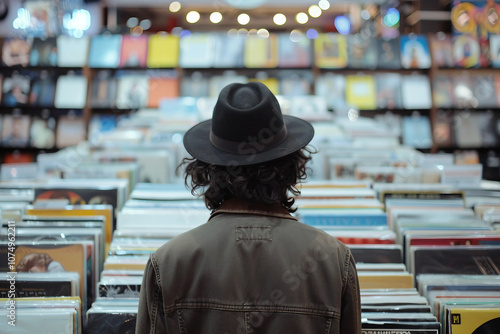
pixel 361 92
pixel 330 50
pixel 163 51
pixel 385 280
pixel 473 320
pixel 261 52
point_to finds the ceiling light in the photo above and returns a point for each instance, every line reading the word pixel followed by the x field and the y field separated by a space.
pixel 175 6
pixel 145 24
pixel 324 4
pixel 193 16
pixel 279 19
pixel 302 18
pixel 314 11
pixel 215 17
pixel 264 33
pixel 295 35
pixel 132 22
pixel 312 34
pixel 243 19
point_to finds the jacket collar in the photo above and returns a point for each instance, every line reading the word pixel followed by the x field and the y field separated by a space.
pixel 240 206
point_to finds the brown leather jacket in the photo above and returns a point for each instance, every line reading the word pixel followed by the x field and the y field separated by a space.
pixel 252 268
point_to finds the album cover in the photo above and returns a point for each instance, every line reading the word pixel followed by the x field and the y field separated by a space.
pixel 72 52
pixel 443 129
pixel 388 53
pixel 400 327
pixel 484 91
pixel 495 50
pixel 383 253
pixel 467 130
pixel 489 125
pixel 388 91
pixel 295 82
pixel 132 91
pixel 463 90
pixel 484 52
pixel 160 88
pixel 416 92
pixel 442 50
pixel 15 130
pixel 360 91
pixel 195 85
pixel 466 51
pixel 104 51
pixel 464 260
pixel 133 51
pixel 194 45
pixel 111 320
pixel 473 319
pixel 415 51
pixel 361 51
pixel 41 285
pixel 442 91
pixel 100 124
pixel 16 51
pixel 330 50
pixel 103 90
pixel 294 52
pixel 228 50
pixel 71 91
pixel 332 88
pixel 261 52
pixel 120 287
pixel 32 320
pixel 417 131
pixel 44 52
pixel 70 131
pixel 42 132
pixel 15 90
pixel 43 89
pixel 163 51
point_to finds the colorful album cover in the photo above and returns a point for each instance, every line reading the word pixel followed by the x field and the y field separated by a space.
pixel 443 128
pixel 16 51
pixel 134 51
pixel 360 91
pixel 194 85
pixel 228 50
pixel 332 88
pixel 294 52
pixel 119 287
pixel 417 131
pixel 466 51
pixel 15 130
pixel 99 125
pixel 15 90
pixel 132 91
pixel 388 56
pixel 162 87
pixel 72 52
pixel 70 131
pixel 44 52
pixel 43 132
pixel 330 50
pixel 442 50
pixel 463 319
pixel 261 52
pixel 79 196
pixel 442 91
pixel 388 91
pixel 71 91
pixel 163 51
pixel 361 51
pixel 104 51
pixel 53 287
pixel 43 90
pixel 103 90
pixel 415 51
pixel 484 52
pixel 194 45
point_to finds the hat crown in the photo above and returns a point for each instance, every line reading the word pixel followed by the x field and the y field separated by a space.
pixel 247 115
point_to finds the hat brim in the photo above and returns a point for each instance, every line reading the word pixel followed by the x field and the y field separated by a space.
pixel 198 145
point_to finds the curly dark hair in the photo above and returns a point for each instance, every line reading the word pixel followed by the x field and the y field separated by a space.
pixel 270 182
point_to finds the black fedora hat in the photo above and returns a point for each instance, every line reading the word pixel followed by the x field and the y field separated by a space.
pixel 247 127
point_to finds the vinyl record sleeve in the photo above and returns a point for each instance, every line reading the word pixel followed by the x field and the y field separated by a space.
pixel 104 51
pixel 330 50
